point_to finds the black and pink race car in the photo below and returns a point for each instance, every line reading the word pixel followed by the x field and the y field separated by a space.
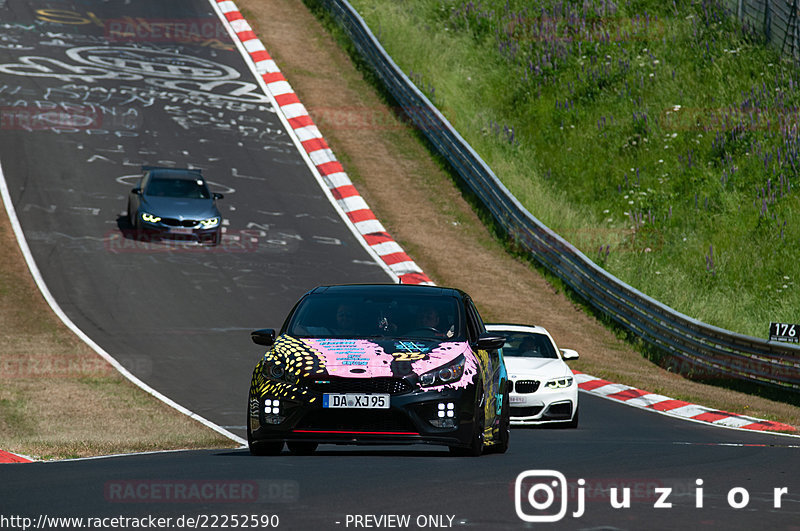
pixel 380 364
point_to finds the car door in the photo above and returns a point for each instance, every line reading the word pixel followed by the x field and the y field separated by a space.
pixel 491 369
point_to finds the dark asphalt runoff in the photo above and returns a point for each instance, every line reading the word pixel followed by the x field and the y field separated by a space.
pixel 83 107
pixel 341 487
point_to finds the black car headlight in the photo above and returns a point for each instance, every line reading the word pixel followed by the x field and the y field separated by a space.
pixel 274 370
pixel 451 372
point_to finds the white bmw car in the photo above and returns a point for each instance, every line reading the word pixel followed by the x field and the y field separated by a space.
pixel 544 388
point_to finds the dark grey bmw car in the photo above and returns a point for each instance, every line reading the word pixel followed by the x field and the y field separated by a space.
pixel 174 203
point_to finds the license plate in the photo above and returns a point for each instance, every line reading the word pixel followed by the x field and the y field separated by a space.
pixel 180 230
pixel 517 399
pixel 355 401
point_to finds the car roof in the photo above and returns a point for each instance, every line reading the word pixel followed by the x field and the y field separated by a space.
pixel 497 327
pixel 388 290
pixel 174 173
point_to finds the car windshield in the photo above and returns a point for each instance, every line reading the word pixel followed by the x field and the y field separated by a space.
pixel 528 345
pixel 365 316
pixel 172 187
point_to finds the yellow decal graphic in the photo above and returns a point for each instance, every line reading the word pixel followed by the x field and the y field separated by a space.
pixel 408 356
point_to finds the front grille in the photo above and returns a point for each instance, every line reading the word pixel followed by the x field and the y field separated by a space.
pixel 356 420
pixel 392 386
pixel 525 411
pixel 526 386
pixel 172 222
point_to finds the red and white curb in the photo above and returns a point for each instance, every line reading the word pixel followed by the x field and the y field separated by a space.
pixel 676 408
pixel 8 457
pixel 319 154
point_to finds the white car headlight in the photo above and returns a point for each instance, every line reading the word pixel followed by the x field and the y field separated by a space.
pixel 559 383
pixel 150 218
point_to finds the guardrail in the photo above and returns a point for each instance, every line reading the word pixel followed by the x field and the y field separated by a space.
pixel 705 350
pixel 777 20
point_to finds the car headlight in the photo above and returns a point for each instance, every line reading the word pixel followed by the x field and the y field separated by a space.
pixel 209 223
pixel 273 370
pixel 559 383
pixel 150 218
pixel 449 373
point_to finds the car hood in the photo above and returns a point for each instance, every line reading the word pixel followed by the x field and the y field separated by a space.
pixel 179 207
pixel 540 368
pixel 367 358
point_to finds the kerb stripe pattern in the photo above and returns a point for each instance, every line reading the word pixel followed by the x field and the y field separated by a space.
pixel 320 154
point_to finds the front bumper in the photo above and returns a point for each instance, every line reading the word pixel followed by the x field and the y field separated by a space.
pixel 161 231
pixel 411 418
pixel 544 406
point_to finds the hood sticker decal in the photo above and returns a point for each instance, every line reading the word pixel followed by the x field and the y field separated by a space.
pixel 364 358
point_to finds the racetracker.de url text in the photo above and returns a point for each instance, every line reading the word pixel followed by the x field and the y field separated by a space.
pixel 200 521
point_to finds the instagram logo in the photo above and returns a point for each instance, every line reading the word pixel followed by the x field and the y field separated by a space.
pixel 542 495
pixel 536 492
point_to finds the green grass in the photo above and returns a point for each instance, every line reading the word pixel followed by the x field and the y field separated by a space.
pixel 654 143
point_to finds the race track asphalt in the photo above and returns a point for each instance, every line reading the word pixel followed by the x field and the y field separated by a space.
pixel 83 109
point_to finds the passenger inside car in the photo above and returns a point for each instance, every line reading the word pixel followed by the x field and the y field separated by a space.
pixel 533 346
pixel 528 348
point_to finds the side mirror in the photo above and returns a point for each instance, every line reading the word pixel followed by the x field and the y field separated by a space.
pixel 488 341
pixel 217 196
pixel 265 336
pixel 569 354
pixel 137 191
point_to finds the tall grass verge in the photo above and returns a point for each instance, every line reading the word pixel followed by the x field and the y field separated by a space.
pixel 659 138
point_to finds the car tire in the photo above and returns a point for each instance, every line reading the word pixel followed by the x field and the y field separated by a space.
pixel 131 217
pixel 262 448
pixel 475 448
pixel 504 430
pixel 302 448
pixel 266 448
pixel 574 422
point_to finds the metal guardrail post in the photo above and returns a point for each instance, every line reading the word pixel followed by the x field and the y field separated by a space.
pixel 768 20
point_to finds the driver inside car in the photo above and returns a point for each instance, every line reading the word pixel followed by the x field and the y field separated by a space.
pixel 429 318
